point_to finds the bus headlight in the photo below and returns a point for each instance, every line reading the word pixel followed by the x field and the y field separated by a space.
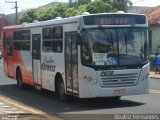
pixel 142 78
pixel 91 80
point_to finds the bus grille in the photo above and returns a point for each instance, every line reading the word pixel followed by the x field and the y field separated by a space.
pixel 119 80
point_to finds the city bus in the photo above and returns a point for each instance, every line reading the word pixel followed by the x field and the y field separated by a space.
pixel 87 56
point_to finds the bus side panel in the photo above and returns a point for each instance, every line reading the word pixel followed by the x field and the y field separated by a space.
pixel 22 59
pixel 5 55
pixel 5 62
pixel 51 63
pixel 8 58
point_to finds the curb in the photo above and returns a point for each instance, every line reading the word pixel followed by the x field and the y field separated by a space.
pixel 154 77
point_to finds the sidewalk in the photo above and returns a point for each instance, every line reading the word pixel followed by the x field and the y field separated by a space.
pixel 153 75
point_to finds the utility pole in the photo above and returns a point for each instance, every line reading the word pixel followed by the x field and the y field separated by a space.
pixel 16 9
pixel 70 2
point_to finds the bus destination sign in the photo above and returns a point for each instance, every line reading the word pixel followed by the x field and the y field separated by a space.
pixel 111 20
pixel 116 19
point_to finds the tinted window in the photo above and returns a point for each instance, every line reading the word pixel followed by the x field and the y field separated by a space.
pixel 52 39
pixel 47 33
pixel 22 40
pixel 47 39
pixel 57 32
pixel 57 35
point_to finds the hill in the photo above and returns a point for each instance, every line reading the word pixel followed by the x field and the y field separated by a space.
pixel 49 5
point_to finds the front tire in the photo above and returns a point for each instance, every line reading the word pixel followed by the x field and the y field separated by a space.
pixel 61 91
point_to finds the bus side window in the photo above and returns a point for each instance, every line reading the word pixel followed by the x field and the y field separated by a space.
pixel 57 39
pixel 57 46
pixel 47 39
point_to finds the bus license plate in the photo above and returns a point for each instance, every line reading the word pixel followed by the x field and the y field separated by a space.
pixel 120 91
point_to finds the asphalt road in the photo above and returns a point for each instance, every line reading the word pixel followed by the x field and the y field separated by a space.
pixel 82 109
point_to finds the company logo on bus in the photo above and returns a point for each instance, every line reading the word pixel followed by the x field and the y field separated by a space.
pixel 107 73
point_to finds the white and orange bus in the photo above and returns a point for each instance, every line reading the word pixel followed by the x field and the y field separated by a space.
pixel 87 56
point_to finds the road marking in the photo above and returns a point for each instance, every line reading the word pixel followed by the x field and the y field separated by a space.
pixel 13 112
pixel 5 109
pixel 154 91
pixel 1 103
pixel 32 110
pixel 20 106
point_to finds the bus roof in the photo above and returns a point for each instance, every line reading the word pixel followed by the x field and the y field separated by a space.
pixel 13 27
pixel 59 20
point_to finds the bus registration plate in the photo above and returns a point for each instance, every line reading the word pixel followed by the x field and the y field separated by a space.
pixel 120 91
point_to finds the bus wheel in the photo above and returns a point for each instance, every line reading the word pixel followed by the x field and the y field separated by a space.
pixel 19 80
pixel 61 91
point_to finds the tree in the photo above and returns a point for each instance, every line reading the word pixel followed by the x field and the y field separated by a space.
pixel 99 7
pixel 75 11
pixel 70 12
pixel 119 4
pixel 81 9
pixel 63 10
pixel 83 2
pixel 28 16
pixel 60 10
pixel 45 14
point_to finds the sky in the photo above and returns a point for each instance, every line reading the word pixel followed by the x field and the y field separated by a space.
pixel 7 8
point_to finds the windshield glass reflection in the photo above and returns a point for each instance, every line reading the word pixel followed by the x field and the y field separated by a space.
pixel 113 47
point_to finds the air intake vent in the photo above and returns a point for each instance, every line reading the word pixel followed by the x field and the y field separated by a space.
pixel 119 80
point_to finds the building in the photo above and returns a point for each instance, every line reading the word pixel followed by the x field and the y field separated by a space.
pixel 154 28
pixel 138 9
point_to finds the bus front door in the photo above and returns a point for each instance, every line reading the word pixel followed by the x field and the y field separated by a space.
pixel 9 56
pixel 71 62
pixel 36 58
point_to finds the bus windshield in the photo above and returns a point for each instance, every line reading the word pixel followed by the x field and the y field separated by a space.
pixel 114 46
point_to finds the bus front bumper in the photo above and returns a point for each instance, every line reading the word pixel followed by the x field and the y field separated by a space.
pixel 92 91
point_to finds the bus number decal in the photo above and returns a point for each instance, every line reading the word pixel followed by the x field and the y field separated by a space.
pixel 107 73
